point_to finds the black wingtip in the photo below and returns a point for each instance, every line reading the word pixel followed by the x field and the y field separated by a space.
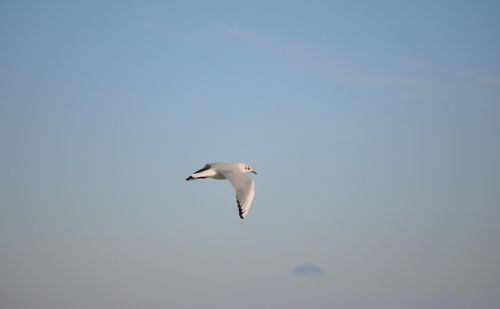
pixel 240 211
pixel 189 178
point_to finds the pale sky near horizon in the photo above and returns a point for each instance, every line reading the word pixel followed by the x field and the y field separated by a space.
pixel 374 126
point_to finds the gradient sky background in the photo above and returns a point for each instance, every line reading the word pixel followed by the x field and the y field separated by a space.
pixel 374 126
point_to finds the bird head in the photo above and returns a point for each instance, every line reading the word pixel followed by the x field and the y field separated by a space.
pixel 245 168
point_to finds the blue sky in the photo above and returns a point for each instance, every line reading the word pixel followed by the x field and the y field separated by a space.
pixel 373 125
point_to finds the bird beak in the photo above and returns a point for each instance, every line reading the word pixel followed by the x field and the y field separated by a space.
pixel 254 172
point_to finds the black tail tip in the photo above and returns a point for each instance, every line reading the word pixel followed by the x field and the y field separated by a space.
pixel 190 178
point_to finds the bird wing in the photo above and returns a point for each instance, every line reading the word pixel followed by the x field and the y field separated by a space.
pixel 206 167
pixel 244 187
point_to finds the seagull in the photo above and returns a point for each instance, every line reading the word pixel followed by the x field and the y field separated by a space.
pixel 235 173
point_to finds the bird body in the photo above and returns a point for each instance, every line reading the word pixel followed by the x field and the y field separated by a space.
pixel 235 173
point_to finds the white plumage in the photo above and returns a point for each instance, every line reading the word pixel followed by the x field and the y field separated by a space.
pixel 235 173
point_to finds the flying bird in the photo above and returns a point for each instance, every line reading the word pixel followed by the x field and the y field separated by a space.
pixel 235 173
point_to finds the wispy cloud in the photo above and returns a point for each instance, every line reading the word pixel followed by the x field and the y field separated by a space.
pixel 312 59
pixel 308 269
pixel 331 67
pixel 324 65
